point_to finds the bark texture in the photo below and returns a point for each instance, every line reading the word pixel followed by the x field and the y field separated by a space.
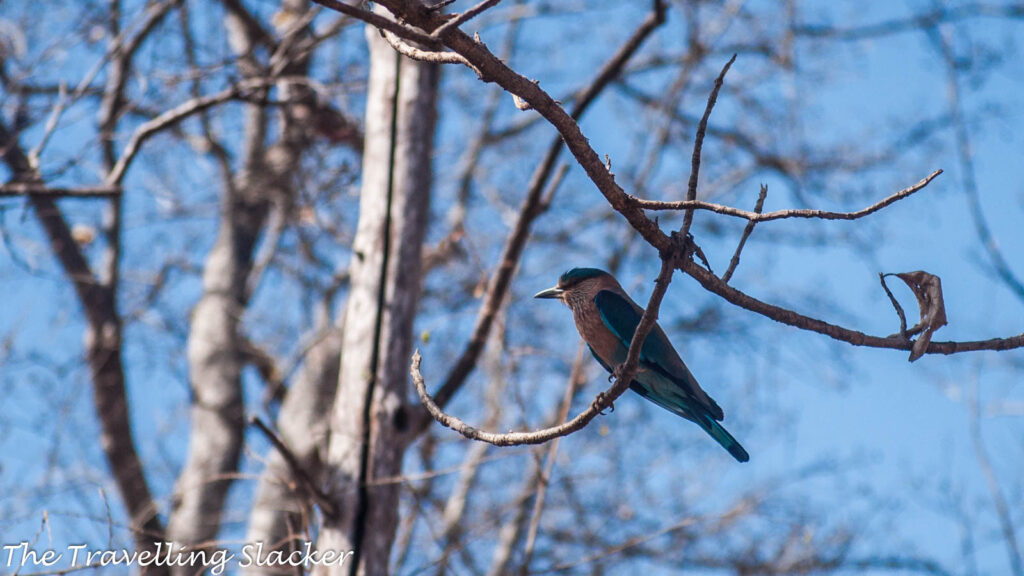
pixel 369 420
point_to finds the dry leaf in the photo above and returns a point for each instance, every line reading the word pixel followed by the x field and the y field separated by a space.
pixel 928 290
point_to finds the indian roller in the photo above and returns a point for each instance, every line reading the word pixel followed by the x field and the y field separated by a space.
pixel 606 318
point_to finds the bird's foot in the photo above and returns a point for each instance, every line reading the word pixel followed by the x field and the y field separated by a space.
pixel 602 400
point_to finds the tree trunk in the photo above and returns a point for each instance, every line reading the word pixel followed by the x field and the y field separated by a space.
pixel 215 357
pixel 281 511
pixel 216 344
pixel 368 426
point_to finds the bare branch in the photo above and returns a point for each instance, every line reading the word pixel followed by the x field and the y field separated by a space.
pixel 103 345
pixel 466 16
pixel 379 21
pixel 715 285
pixel 51 126
pixel 177 114
pixel 895 304
pixel 41 189
pixel 747 231
pixel 791 213
pixel 532 207
pixel 410 51
pixel 698 146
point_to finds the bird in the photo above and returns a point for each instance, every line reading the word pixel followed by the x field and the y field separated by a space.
pixel 606 318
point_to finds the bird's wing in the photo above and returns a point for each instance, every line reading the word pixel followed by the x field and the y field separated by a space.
pixel 622 317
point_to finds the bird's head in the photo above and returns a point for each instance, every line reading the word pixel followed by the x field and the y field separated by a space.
pixel 574 282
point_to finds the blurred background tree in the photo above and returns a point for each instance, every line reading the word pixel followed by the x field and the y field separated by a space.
pixel 259 208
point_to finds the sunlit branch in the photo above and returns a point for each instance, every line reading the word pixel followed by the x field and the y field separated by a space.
pixel 698 146
pixel 790 213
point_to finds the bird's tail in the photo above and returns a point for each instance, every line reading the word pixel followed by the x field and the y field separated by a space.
pixel 722 436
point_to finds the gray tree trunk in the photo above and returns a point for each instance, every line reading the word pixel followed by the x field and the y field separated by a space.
pixel 216 357
pixel 368 422
pixel 281 510
pixel 216 345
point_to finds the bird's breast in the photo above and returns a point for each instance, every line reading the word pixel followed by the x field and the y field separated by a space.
pixel 602 341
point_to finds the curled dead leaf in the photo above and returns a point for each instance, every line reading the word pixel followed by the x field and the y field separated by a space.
pixel 927 289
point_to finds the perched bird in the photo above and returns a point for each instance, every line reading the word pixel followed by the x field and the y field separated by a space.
pixel 606 318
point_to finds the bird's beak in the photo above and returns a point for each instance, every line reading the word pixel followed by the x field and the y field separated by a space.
pixel 555 292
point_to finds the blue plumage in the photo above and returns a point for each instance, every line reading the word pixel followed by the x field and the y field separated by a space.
pixel 578 274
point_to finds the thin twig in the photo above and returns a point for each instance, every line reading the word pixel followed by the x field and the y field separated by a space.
pixel 747 231
pixel 895 304
pixel 782 214
pixel 575 380
pixel 466 16
pixel 553 186
pixel 51 126
pixel 698 146
pixel 322 499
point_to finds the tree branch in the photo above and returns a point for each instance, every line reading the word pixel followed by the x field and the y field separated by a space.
pixel 176 115
pixel 40 189
pixel 410 51
pixel 747 231
pixel 715 285
pixel 532 207
pixel 790 213
pixel 379 21
pixel 632 209
pixel 698 146
pixel 466 16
